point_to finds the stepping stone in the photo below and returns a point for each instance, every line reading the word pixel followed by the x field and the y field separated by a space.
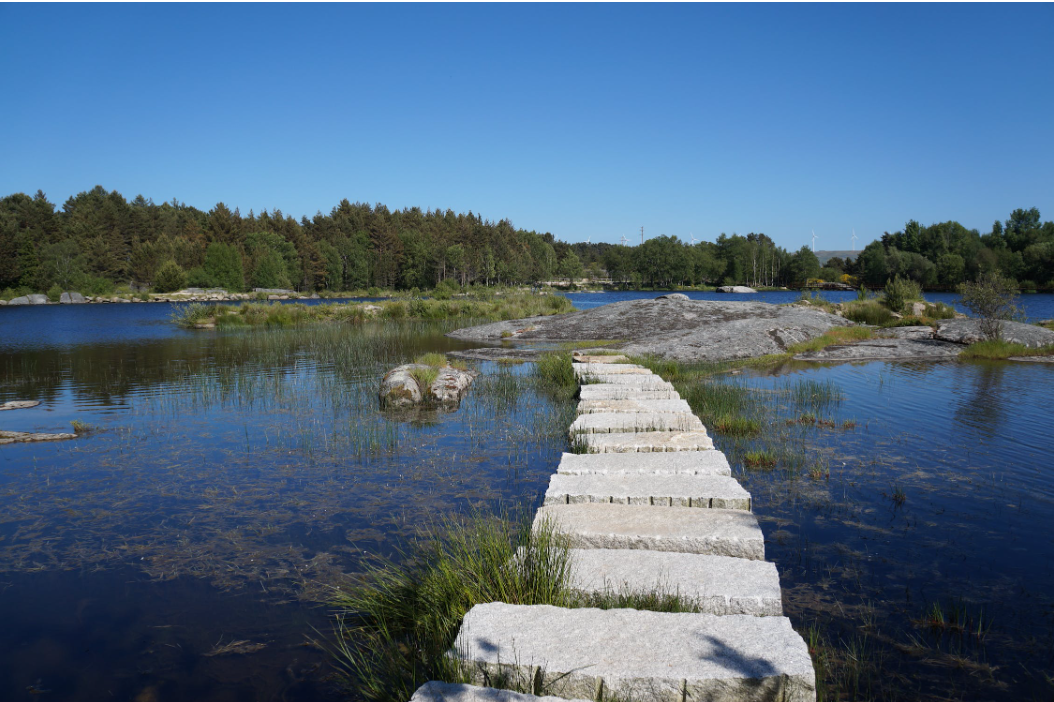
pixel 621 406
pixel 452 692
pixel 587 358
pixel 642 382
pixel 586 369
pixel 714 532
pixel 706 491
pixel 715 584
pixel 646 442
pixel 594 653
pixel 679 462
pixel 625 392
pixel 619 423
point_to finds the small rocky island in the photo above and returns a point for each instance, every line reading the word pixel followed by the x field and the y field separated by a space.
pixel 680 329
pixel 422 385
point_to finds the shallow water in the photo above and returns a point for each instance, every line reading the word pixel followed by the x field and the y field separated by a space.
pixel 232 480
pixel 236 475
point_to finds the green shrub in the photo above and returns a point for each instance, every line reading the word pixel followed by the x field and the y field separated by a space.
pixel 12 293
pixel 867 312
pixel 900 291
pixel 198 278
pixel 993 298
pixel 169 277
pixel 436 360
pixel 939 311
pixel 55 293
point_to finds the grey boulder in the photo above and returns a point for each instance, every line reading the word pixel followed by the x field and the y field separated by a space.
pixel 30 300
pixel 968 331
pixel 736 289
pixel 400 387
pixel 673 296
pixel 72 298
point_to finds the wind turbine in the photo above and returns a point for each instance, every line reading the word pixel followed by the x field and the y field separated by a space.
pixel 624 239
pixel 814 241
pixel 854 240
pixel 693 237
pixel 587 240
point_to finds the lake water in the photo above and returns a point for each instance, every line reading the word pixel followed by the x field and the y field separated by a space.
pixel 236 475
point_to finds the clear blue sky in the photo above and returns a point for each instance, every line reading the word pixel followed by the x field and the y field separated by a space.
pixel 582 120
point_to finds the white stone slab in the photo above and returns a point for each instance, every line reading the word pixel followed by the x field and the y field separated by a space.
pixel 453 692
pixel 630 406
pixel 638 655
pixel 678 462
pixel 646 442
pixel 620 423
pixel 714 584
pixel 625 392
pixel 703 491
pixel 588 358
pixel 586 369
pixel 643 382
pixel 715 532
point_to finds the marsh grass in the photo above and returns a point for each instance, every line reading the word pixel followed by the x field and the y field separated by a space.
pixel 425 376
pixel 397 622
pixel 833 336
pixel 760 459
pixel 556 373
pixel 998 349
pixel 495 307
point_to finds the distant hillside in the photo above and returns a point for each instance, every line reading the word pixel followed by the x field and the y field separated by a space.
pixel 826 256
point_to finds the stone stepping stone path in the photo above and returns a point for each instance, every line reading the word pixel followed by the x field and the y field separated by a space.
pixel 708 491
pixel 632 406
pixel 591 653
pixel 649 508
pixel 601 391
pixel 623 422
pixel 645 442
pixel 716 532
pixel 674 463
pixel 715 584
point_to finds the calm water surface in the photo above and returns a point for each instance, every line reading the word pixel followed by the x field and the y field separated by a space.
pixel 235 476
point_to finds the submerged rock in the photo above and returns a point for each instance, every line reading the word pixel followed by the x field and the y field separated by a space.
pixel 498 353
pixel 968 331
pixel 683 330
pixel 400 387
pixel 903 349
pixel 18 404
pixel 13 437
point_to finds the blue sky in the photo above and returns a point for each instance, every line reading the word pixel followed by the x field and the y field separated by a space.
pixel 581 120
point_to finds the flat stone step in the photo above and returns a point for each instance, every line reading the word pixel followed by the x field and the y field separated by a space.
pixel 641 382
pixel 586 369
pixel 625 392
pixel 637 655
pixel 590 358
pixel 453 692
pixel 679 462
pixel 715 532
pixel 617 423
pixel 646 442
pixel 715 584
pixel 704 491
pixel 630 406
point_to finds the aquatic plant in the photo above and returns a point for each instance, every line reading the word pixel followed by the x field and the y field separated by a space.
pixel 556 370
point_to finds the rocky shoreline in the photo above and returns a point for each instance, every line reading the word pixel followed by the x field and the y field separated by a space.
pixel 185 295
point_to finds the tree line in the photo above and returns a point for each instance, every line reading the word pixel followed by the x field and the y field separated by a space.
pixel 98 240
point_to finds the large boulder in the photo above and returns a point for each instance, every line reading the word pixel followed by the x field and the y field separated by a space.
pixel 968 331
pixel 30 300
pixel 400 387
pixel 72 298
pixel 673 296
pixel 690 330
pixel 735 289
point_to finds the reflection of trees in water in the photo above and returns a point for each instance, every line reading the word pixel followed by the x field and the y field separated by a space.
pixel 105 374
pixel 981 402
